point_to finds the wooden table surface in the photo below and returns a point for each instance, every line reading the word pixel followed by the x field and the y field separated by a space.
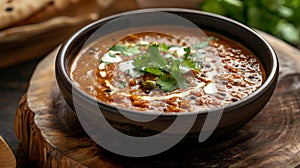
pixel 270 139
pixel 13 84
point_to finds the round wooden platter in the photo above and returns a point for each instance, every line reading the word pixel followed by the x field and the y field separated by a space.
pixel 52 136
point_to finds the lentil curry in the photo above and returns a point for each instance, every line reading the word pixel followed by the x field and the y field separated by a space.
pixel 174 72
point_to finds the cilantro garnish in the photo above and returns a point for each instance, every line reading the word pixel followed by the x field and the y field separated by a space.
pixel 201 45
pixel 151 59
pixel 164 47
pixel 166 84
pixel 187 61
pixel 187 52
pixel 112 55
pixel 126 50
pixel 169 75
pixel 177 74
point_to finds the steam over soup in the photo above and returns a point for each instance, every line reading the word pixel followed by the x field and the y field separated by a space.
pixel 178 71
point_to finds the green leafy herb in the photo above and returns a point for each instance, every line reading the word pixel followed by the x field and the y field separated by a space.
pixel 187 52
pixel 277 17
pixel 126 50
pixel 210 38
pixel 112 55
pixel 201 45
pixel 167 84
pixel 105 62
pixel 154 71
pixel 164 47
pixel 176 74
pixel 122 84
pixel 169 75
pixel 151 59
pixel 187 61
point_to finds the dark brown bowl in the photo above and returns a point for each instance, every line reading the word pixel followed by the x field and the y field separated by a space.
pixel 233 116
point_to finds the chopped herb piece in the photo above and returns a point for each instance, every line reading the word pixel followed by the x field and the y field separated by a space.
pixel 198 65
pixel 175 72
pixel 154 53
pixel 153 70
pixel 126 50
pixel 105 62
pixel 201 45
pixel 151 59
pixel 167 84
pixel 112 55
pixel 154 44
pixel 210 38
pixel 164 47
pixel 169 75
pixel 122 84
pixel 187 52
pixel 187 62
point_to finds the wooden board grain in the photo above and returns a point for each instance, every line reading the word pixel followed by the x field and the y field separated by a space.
pixel 52 136
pixel 7 158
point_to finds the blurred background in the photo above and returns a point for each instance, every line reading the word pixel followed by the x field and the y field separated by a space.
pixel 279 18
pixel 53 24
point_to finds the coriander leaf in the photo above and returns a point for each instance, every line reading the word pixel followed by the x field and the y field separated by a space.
pixel 179 77
pixel 201 45
pixel 167 84
pixel 187 52
pixel 142 61
pixel 210 38
pixel 112 55
pixel 189 63
pixel 154 44
pixel 198 65
pixel 153 70
pixel 154 53
pixel 122 84
pixel 164 47
pixel 152 58
pixel 105 62
pixel 126 50
pixel 169 77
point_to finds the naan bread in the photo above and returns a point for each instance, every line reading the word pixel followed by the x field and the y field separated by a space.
pixel 55 8
pixel 13 11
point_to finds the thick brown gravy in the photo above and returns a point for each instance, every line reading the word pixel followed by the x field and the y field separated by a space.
pixel 190 72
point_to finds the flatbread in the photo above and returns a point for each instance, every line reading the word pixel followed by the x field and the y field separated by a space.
pixel 12 11
pixel 54 8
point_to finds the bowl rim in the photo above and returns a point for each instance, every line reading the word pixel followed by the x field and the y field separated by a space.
pixel 270 79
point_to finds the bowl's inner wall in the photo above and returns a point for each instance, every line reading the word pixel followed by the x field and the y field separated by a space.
pixel 224 27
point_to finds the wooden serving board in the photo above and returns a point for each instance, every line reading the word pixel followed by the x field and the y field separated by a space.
pixel 52 136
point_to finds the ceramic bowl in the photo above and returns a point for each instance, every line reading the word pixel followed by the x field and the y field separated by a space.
pixel 207 122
